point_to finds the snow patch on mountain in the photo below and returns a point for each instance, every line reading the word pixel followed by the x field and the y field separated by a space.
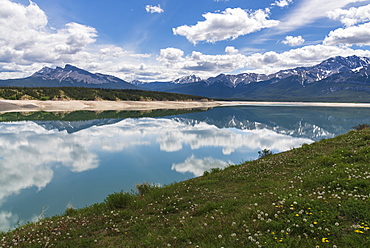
pixel 187 80
pixel 72 73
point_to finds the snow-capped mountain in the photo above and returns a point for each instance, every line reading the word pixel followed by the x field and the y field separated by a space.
pixel 304 74
pixel 69 76
pixel 76 75
pixel 335 79
pixel 324 69
pixel 137 82
pixel 233 80
pixel 187 80
pixel 183 80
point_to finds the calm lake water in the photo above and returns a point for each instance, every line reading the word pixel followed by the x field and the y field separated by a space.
pixel 50 162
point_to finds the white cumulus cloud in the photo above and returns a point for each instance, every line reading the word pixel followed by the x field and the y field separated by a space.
pixel 171 57
pixel 293 41
pixel 354 35
pixel 171 53
pixel 154 9
pixel 206 65
pixel 28 42
pixel 13 15
pixel 231 50
pixel 282 3
pixel 228 24
pixel 26 37
pixel 352 16
pixel 271 62
pixel 7 220
pixel 199 63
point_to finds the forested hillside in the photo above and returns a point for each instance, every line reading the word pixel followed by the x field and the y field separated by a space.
pixel 90 94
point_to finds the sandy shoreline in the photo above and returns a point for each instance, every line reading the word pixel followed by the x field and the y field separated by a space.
pixel 53 106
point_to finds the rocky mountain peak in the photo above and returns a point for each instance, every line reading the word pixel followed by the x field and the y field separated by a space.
pixel 78 77
pixel 234 80
pixel 69 67
pixel 187 79
pixel 137 82
pixel 339 64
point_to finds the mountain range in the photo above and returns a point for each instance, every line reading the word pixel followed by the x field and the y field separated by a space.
pixel 337 79
pixel 69 76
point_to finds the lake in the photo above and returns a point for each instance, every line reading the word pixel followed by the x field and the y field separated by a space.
pixel 52 161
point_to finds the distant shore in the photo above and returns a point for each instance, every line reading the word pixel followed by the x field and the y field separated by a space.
pixel 313 104
pixel 54 106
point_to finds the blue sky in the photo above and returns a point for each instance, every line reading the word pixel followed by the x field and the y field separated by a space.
pixel 160 40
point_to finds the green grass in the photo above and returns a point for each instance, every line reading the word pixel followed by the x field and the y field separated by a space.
pixel 313 196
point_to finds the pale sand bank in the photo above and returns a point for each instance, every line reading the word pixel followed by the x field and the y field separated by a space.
pixel 52 106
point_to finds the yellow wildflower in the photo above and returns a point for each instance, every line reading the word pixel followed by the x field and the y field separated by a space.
pixel 324 240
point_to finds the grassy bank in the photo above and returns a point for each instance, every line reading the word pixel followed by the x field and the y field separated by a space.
pixel 313 196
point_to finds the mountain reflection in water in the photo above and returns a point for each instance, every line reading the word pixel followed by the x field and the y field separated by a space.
pixel 55 164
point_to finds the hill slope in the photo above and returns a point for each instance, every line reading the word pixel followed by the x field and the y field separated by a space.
pixel 316 195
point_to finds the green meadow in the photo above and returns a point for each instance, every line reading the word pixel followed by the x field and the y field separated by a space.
pixel 313 196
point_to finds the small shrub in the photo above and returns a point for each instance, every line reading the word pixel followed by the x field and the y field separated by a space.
pixel 71 211
pixel 118 200
pixel 361 126
pixel 264 153
pixel 305 146
pixel 145 188
pixel 355 210
pixel 215 170
pixel 365 151
pixel 212 171
pixel 326 161
pixel 205 208
pixel 95 209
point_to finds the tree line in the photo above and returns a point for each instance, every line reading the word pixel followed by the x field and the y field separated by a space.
pixel 91 94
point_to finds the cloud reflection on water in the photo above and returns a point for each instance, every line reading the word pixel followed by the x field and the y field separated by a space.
pixel 29 152
pixel 205 135
pixel 199 166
